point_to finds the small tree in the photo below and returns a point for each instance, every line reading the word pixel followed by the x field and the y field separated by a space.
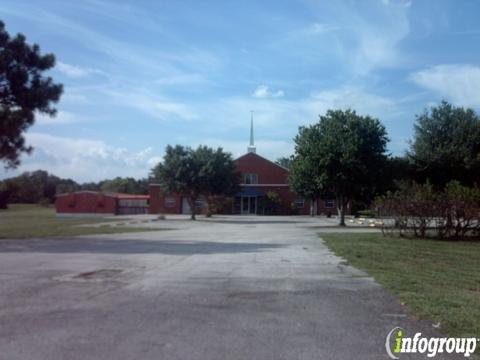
pixel 23 92
pixel 194 173
pixel 340 156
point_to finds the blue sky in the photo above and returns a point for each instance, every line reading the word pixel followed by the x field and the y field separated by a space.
pixel 140 75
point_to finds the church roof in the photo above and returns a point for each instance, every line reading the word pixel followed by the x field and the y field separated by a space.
pixel 250 154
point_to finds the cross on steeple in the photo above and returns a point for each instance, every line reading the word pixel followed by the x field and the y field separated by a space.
pixel 251 148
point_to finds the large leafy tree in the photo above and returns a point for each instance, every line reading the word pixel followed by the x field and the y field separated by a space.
pixel 23 92
pixel 446 145
pixel 197 172
pixel 341 156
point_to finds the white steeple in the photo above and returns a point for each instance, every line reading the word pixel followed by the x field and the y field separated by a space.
pixel 251 148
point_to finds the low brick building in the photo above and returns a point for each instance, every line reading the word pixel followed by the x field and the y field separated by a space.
pixel 100 203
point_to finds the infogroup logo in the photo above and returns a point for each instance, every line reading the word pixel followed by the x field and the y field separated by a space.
pixel 397 343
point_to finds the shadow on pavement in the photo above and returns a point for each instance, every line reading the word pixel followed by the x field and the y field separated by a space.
pixel 112 246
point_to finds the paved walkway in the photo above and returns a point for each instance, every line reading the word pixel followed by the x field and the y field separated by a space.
pixel 227 288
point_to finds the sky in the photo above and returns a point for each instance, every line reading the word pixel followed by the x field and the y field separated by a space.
pixel 139 75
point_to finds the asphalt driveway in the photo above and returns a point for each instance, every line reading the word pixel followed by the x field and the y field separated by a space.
pixel 249 288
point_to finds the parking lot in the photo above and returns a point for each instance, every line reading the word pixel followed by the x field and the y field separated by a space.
pixel 223 288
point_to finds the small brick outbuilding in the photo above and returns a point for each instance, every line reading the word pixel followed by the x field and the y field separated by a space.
pixel 100 203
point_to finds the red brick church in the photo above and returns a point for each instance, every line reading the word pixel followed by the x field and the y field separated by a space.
pixel 260 179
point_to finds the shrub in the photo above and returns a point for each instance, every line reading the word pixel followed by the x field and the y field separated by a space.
pixel 422 211
pixel 463 214
pixel 272 203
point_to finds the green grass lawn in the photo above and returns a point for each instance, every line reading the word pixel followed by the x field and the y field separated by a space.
pixel 31 221
pixel 437 280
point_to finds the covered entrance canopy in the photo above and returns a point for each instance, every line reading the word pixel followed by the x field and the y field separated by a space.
pixel 247 201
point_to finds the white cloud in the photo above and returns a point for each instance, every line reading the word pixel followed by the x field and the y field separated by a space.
pixel 152 104
pixel 83 159
pixel 74 98
pixel 306 110
pixel 377 46
pixel 406 3
pixel 360 36
pixel 263 91
pixel 62 117
pixel 74 71
pixel 458 83
pixel 143 58
pixel 355 98
pixel 320 28
pixel 181 79
pixel 313 29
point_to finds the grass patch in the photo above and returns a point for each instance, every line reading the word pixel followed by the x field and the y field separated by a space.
pixel 33 221
pixel 438 280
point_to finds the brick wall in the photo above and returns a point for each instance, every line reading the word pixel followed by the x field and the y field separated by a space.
pixel 268 172
pixel 161 203
pixel 86 203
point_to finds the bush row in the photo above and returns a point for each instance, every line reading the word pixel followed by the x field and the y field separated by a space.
pixel 422 211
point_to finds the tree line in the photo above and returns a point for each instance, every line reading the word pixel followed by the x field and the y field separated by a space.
pixel 40 187
pixel 344 156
